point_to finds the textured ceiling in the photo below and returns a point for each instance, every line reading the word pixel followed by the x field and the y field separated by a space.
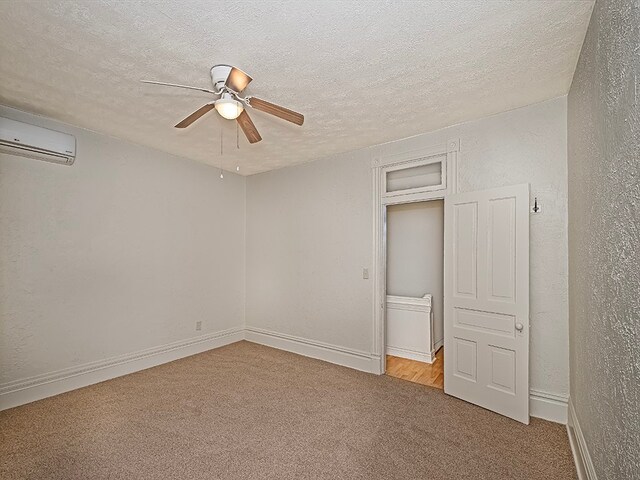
pixel 362 72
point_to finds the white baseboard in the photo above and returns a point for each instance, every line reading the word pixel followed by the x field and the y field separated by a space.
pixel 355 359
pixel 548 406
pixel 542 405
pixel 581 456
pixel 410 354
pixel 35 388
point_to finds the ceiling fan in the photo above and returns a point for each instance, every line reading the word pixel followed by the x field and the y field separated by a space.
pixel 228 83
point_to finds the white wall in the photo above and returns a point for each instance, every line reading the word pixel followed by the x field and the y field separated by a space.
pixel 310 233
pixel 123 251
pixel 415 255
pixel 129 247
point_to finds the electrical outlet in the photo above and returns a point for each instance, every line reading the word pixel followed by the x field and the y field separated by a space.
pixel 365 273
pixel 198 325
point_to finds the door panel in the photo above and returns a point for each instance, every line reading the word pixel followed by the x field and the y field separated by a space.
pixel 487 299
pixel 465 359
pixel 496 323
pixel 501 244
pixel 503 374
pixel 466 216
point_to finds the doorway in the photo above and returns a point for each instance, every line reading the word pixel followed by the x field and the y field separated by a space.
pixel 486 277
pixel 415 292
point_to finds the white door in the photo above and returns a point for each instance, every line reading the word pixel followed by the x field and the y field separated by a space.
pixel 486 320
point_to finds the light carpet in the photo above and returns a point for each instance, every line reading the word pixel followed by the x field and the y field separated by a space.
pixel 246 411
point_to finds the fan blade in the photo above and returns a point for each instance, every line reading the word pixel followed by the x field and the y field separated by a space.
pixel 278 111
pixel 247 126
pixel 196 115
pixel 237 80
pixel 206 90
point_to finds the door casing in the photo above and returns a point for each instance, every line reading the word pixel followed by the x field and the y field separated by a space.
pixel 407 159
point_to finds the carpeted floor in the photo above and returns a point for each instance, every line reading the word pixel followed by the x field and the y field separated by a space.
pixel 246 411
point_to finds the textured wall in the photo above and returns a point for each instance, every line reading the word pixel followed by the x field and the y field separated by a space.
pixel 124 250
pixel 604 239
pixel 309 233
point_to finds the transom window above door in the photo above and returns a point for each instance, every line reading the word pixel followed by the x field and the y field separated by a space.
pixel 422 175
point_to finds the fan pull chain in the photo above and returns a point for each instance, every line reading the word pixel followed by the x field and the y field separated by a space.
pixel 221 152
pixel 237 142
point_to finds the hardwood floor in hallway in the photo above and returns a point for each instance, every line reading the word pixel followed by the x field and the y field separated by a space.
pixel 431 375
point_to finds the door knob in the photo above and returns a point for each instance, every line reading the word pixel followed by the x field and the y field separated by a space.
pixel 519 326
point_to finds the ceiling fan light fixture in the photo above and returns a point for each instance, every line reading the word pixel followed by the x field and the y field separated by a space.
pixel 228 83
pixel 229 108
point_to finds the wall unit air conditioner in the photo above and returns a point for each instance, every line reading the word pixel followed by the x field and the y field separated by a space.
pixel 18 138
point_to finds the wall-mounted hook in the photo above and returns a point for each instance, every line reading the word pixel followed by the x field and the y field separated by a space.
pixel 536 206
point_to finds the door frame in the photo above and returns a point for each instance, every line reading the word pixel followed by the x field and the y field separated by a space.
pixel 380 164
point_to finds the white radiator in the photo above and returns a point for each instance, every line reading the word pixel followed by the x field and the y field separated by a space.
pixel 410 328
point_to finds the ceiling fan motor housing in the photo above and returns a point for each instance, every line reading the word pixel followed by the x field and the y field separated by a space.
pixel 219 75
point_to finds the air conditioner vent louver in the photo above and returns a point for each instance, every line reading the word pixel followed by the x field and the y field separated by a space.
pixel 23 139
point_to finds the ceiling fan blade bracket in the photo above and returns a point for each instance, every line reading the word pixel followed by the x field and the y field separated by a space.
pixel 189 87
